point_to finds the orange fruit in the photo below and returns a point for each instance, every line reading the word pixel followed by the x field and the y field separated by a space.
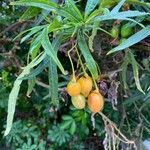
pixel 73 88
pixel 78 101
pixel 95 101
pixel 86 85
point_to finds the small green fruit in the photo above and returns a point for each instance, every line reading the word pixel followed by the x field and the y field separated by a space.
pixel 126 31
pixel 115 31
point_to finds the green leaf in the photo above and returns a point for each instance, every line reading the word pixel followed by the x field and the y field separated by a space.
pixel 90 5
pixel 65 124
pixel 120 15
pixel 30 13
pixel 44 4
pixel 34 72
pixel 117 7
pixel 50 50
pixel 73 128
pixel 33 31
pixel 31 84
pixel 15 91
pixel 90 62
pixel 124 73
pixel 73 9
pixel 53 75
pixel 135 72
pixel 137 37
pixel 67 117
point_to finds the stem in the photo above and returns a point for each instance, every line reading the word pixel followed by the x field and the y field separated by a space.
pixel 81 62
pixel 106 118
pixel 73 72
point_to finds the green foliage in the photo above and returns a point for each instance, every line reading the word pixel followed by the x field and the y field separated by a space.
pixel 54 29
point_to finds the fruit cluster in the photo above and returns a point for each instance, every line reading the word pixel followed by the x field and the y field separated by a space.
pixel 125 31
pixel 81 89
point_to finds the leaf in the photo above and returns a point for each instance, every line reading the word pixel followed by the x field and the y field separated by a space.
pixel 65 124
pixel 136 72
pixel 15 91
pixel 31 84
pixel 67 117
pixel 30 13
pixel 34 72
pixel 33 31
pixel 90 5
pixel 53 75
pixel 90 62
pixel 137 37
pixel 44 4
pixel 73 128
pixel 50 50
pixel 124 67
pixel 120 15
pixel 73 9
pixel 117 7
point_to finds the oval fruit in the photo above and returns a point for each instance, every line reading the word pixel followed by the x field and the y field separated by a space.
pixel 73 88
pixel 86 85
pixel 115 31
pixel 78 101
pixel 126 31
pixel 95 101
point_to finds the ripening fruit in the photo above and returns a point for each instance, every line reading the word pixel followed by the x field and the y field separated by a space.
pixel 73 88
pixel 126 31
pixel 78 101
pixel 115 31
pixel 95 101
pixel 86 85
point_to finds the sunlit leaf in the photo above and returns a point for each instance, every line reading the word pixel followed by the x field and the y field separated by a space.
pixel 15 91
pixel 90 62
pixel 90 5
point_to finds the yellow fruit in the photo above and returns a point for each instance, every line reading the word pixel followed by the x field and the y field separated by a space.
pixel 86 85
pixel 95 101
pixel 78 101
pixel 73 88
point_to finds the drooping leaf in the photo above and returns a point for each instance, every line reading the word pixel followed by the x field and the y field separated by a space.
pixel 135 72
pixel 31 84
pixel 33 31
pixel 137 37
pixel 15 91
pixel 53 75
pixel 90 5
pixel 124 67
pixel 44 4
pixel 50 50
pixel 90 62
pixel 30 13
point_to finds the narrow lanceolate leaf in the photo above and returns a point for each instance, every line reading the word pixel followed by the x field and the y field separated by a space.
pixel 53 75
pixel 15 91
pixel 137 37
pixel 120 15
pixel 32 32
pixel 90 62
pixel 73 9
pixel 30 13
pixel 50 50
pixel 135 72
pixel 90 5
pixel 44 4
pixel 117 7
